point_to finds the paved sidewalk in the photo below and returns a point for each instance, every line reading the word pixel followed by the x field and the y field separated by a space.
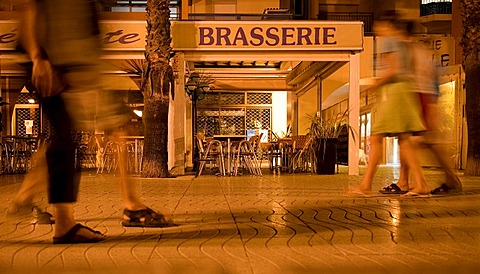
pixel 288 223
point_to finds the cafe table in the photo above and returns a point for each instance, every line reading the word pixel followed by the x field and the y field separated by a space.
pixel 137 149
pixel 229 139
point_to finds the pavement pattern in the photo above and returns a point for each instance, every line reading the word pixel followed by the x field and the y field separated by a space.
pixel 275 223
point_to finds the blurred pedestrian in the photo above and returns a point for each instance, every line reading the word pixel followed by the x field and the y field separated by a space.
pixel 60 37
pixel 426 83
pixel 57 36
pixel 397 111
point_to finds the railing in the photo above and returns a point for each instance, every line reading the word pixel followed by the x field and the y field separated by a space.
pixel 238 16
pixel 436 8
pixel 365 17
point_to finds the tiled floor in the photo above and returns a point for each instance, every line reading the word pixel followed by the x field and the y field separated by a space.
pixel 286 223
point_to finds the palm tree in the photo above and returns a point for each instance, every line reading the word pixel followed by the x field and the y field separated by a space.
pixel 471 61
pixel 157 84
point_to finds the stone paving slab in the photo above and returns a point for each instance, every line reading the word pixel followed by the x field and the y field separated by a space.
pixel 276 223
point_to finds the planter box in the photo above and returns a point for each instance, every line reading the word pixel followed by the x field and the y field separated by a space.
pixel 326 155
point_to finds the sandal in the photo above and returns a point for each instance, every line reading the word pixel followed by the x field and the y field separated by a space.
pixel 42 217
pixel 145 218
pixel 443 189
pixel 392 189
pixel 71 237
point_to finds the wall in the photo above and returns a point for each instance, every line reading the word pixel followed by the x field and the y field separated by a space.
pixel 255 6
pixel 341 76
pixel 307 105
pixel 279 113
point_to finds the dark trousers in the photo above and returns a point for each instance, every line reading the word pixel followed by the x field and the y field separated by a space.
pixel 63 180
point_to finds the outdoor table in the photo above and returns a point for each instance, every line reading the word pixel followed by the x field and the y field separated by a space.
pixel 279 153
pixel 137 154
pixel 229 139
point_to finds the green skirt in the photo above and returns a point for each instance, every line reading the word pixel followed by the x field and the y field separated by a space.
pixel 397 110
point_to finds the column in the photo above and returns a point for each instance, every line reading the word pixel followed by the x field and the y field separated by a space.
pixel 353 116
pixel 178 121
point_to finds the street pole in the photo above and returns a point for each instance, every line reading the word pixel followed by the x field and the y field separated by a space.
pixel 194 129
pixel 196 90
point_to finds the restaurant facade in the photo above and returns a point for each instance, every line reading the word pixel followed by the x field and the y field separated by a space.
pixel 265 76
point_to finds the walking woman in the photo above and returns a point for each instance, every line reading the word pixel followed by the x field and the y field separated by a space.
pixel 397 110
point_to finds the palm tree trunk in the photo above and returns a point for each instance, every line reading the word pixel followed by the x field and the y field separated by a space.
pixel 158 83
pixel 471 61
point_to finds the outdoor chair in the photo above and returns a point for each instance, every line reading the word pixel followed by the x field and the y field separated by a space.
pixel 301 158
pixel 245 154
pixel 213 153
pixel 107 157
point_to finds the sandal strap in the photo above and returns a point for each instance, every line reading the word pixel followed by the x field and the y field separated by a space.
pixel 72 237
pixel 444 188
pixel 73 231
pixel 392 188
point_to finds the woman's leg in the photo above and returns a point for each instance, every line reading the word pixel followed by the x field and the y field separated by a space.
pixel 402 182
pixel 413 164
pixel 376 143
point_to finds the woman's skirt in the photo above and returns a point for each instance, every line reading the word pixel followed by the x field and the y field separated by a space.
pixel 397 110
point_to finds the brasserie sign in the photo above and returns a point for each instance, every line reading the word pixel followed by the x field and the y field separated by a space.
pixel 271 35
pixel 223 35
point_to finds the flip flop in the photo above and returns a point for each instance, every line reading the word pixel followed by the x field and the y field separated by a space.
pixel 411 194
pixel 72 236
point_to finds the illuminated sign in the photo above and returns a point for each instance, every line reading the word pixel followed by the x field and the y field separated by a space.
pixel 114 35
pixel 223 35
pixel 272 35
pixel 8 35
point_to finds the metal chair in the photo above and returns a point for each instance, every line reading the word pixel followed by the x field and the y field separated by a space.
pixel 107 157
pixel 245 153
pixel 212 154
pixel 300 159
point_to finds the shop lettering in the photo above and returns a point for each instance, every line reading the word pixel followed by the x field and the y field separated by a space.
pixel 438 49
pixel 272 36
pixel 120 37
pixel 8 37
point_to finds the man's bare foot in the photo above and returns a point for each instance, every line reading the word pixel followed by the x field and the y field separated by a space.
pixel 420 190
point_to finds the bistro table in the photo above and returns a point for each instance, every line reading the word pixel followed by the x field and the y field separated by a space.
pixel 279 153
pixel 229 139
pixel 138 150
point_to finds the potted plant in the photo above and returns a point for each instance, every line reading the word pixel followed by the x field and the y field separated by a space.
pixel 324 133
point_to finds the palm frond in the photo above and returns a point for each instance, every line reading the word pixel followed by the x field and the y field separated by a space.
pixel 133 66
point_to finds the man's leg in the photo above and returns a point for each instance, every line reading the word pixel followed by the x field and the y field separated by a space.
pixel 35 181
